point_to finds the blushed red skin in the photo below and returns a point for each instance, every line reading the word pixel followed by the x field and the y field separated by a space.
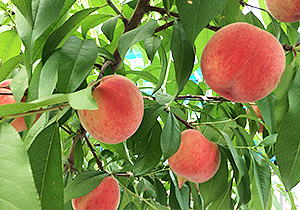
pixel 197 159
pixel 242 62
pixel 284 10
pixel 120 112
pixel 19 123
pixel 105 196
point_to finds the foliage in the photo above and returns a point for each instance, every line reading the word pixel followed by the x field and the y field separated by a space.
pixel 54 49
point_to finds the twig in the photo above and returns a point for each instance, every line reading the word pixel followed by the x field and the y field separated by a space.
pixel 99 163
pixel 70 157
pixel 187 124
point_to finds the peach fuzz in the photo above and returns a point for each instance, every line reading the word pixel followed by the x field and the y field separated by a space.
pixel 105 196
pixel 242 62
pixel 120 110
pixel 197 158
pixel 284 10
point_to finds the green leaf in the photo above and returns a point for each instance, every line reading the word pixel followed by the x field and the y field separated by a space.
pixel 182 203
pixel 287 148
pixel 261 181
pixel 183 55
pixel 130 206
pixel 48 76
pixel 9 66
pixel 78 155
pixel 145 75
pixel 281 104
pixel 17 189
pixel 224 201
pixel 44 14
pixel 151 46
pixel 164 64
pixel 198 202
pixel 10 45
pixel 161 195
pixel 106 54
pixel 18 108
pixel 134 36
pixel 84 183
pixel 170 136
pixel 83 99
pixel 196 14
pixel 63 31
pixel 230 13
pixel 45 158
pixel 109 26
pixel 19 84
pixel 25 7
pixel 150 156
pixel 168 4
pixel 91 21
pixel 149 119
pixel 216 186
pixel 266 106
pixel 77 58
pixel 269 140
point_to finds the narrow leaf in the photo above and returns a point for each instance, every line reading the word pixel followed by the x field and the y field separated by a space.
pixel 77 58
pixel 150 156
pixel 287 148
pixel 84 183
pixel 91 21
pixel 196 14
pixel 63 31
pixel 25 7
pixel 10 65
pixel 10 45
pixel 45 158
pixel 183 55
pixel 109 26
pixel 170 136
pixel 17 189
pixel 134 36
pixel 151 46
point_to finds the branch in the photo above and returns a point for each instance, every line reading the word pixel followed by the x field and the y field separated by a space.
pixel 99 163
pixel 70 157
pixel 133 22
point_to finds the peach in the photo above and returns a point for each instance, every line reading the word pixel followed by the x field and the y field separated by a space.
pixel 120 110
pixel 105 196
pixel 19 123
pixel 284 10
pixel 242 62
pixel 258 115
pixel 197 158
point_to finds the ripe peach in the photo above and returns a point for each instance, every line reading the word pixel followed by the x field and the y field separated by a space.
pixel 105 196
pixel 242 62
pixel 120 110
pixel 286 11
pixel 258 115
pixel 197 159
pixel 19 123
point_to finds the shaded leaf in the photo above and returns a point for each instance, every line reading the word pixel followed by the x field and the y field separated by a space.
pixel 151 46
pixel 183 55
pixel 91 21
pixel 170 136
pixel 109 26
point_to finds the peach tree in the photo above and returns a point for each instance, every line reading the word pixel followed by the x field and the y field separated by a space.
pixel 52 51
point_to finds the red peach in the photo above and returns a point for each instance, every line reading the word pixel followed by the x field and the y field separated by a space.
pixel 197 159
pixel 105 196
pixel 284 10
pixel 120 110
pixel 242 62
